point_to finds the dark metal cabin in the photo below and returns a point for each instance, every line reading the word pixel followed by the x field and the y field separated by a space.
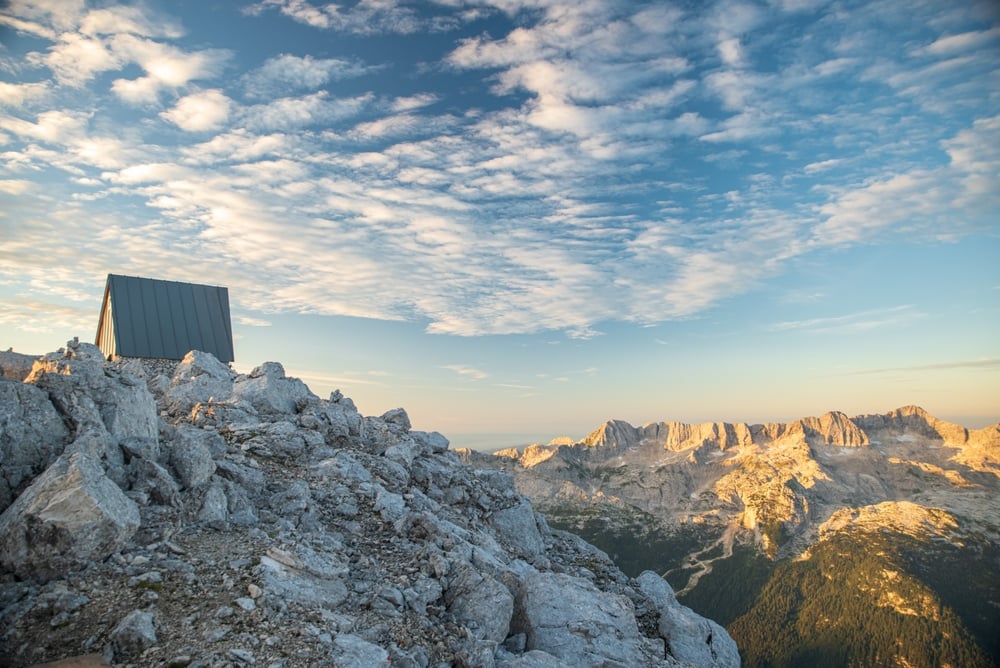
pixel 151 318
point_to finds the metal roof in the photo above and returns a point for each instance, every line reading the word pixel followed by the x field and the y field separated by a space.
pixel 148 317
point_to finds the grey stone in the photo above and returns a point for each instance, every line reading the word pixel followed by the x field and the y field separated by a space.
pixel 691 638
pixel 303 576
pixel 391 506
pixel 351 651
pixel 191 458
pixel 434 440
pixel 70 515
pixel 571 619
pixel 15 366
pixel 133 634
pixel 215 507
pixel 480 603
pixel 516 527
pixel 398 418
pixel 32 436
pixel 269 391
pixel 199 377
pixel 150 478
pixel 125 407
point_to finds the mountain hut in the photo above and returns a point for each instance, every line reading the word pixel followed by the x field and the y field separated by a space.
pixel 157 319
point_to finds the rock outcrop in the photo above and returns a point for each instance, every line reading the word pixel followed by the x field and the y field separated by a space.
pixel 184 514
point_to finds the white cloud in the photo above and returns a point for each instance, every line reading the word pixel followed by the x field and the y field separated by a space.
pixel 365 17
pixel 860 322
pixel 285 73
pixel 16 95
pixel 462 370
pixel 414 102
pixel 963 41
pixel 821 166
pixel 198 112
pixel 15 186
pixel 731 52
pixel 114 20
pixel 249 321
pixel 295 112
pixel 76 58
pixel 166 67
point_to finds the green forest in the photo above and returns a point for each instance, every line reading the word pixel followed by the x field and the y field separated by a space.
pixel 860 599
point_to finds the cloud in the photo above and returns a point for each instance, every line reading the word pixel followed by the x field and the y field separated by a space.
pixel 366 17
pixel 286 73
pixel 860 322
pixel 16 95
pixel 731 52
pixel 619 162
pixel 198 112
pixel 166 67
pixel 987 363
pixel 962 42
pixel 252 322
pixel 76 58
pixel 462 370
pixel 295 112
pixel 15 186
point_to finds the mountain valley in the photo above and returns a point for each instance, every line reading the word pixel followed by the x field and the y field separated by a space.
pixel 872 540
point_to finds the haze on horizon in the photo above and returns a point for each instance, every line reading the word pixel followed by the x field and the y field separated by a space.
pixel 524 217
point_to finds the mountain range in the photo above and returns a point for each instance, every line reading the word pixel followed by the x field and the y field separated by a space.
pixel 869 540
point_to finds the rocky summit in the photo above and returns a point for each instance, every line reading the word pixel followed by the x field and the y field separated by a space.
pixel 180 514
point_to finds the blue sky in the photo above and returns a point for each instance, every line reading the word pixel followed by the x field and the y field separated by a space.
pixel 519 218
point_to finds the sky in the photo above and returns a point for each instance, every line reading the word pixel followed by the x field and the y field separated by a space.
pixel 520 218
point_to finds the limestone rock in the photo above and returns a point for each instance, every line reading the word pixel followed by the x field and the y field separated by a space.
pixel 32 435
pixel 691 639
pixel 398 418
pixel 480 603
pixel 133 634
pixel 351 651
pixel 571 619
pixel 191 457
pixel 70 515
pixel 516 526
pixel 125 406
pixel 15 366
pixel 268 390
pixel 200 377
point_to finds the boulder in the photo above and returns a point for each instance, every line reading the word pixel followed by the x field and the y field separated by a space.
pixel 125 405
pixel 397 417
pixel 200 377
pixel 191 457
pixel 16 366
pixel 516 527
pixel 149 478
pixel 70 515
pixel 480 603
pixel 269 391
pixel 436 441
pixel 32 435
pixel 351 651
pixel 133 634
pixel 691 638
pixel 571 619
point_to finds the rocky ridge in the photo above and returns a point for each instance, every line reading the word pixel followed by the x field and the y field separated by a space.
pixel 186 515
pixel 776 483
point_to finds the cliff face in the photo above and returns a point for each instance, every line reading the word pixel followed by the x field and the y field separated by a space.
pixel 775 480
pixel 193 516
